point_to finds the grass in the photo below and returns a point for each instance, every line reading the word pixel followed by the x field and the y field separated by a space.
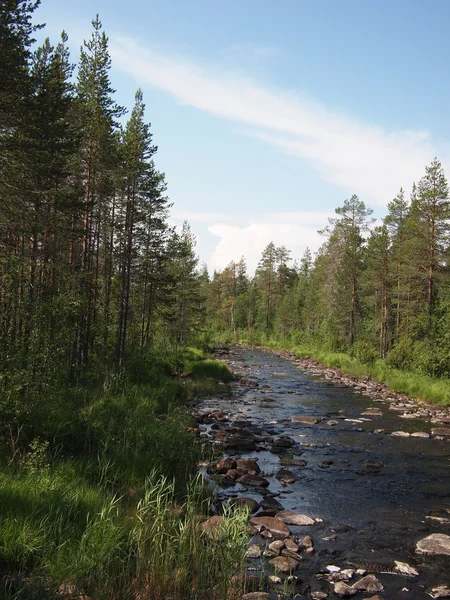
pixel 100 495
pixel 211 369
pixel 421 387
pixel 69 534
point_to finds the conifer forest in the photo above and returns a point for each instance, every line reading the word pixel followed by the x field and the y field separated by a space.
pixel 121 356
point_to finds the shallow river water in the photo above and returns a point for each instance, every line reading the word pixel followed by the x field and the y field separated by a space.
pixel 370 516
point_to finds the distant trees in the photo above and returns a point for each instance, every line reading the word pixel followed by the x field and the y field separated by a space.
pixel 379 291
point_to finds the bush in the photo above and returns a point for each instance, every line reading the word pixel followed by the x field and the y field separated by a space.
pixel 211 369
pixel 365 353
pixel 400 356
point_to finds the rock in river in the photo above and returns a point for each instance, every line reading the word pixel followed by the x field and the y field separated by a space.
pixel 344 590
pixel 253 480
pixel 276 527
pixel 441 431
pixel 436 543
pixel 248 464
pixel 369 583
pixel 284 564
pixel 224 465
pixel 290 517
pixel 440 591
pixel 304 420
pixel 244 502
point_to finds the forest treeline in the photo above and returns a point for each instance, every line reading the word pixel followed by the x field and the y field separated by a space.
pixel 91 273
pixel 101 312
pixel 372 291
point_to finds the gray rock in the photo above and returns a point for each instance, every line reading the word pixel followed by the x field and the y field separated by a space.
pixel 344 590
pixel 441 431
pixel 440 591
pixel 405 569
pixel 369 583
pixel 436 543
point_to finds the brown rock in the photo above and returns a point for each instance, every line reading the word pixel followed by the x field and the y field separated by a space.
pixel 344 590
pixel 276 546
pixel 248 383
pixel 283 564
pixel 254 551
pixel 253 480
pixel 291 545
pixel 256 596
pixel 304 420
pixel 245 502
pixel 292 555
pixel 224 465
pixel 290 517
pixel 277 528
pixel 247 464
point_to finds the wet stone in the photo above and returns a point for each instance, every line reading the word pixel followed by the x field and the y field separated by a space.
pixel 269 503
pixel 283 564
pixel 439 591
pixel 369 583
pixel 290 517
pixel 253 480
pixel 248 464
pixel 404 569
pixel 436 543
pixel 304 420
pixel 244 502
pixel 441 431
pixel 344 590
pixel 276 527
pixel 286 475
pixel 254 551
pixel 276 546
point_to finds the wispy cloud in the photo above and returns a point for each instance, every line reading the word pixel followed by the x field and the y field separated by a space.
pixel 359 157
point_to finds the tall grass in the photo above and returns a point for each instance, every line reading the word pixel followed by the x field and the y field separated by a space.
pixel 152 545
pixel 99 494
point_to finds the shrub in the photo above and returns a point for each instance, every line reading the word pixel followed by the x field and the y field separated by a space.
pixel 211 369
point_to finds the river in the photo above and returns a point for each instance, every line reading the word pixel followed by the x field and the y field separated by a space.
pixel 373 495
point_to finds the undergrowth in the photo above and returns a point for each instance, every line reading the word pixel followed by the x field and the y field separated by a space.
pixel 99 493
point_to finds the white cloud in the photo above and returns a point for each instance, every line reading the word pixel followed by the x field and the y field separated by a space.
pixel 248 236
pixel 361 158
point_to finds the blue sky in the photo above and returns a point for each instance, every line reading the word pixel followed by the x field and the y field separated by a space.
pixel 268 115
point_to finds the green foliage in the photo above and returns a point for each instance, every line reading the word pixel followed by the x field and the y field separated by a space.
pixel 213 369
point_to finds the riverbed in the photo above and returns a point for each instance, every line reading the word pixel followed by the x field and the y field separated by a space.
pixel 372 495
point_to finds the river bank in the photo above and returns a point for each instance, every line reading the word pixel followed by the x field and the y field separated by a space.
pixel 409 407
pixel 346 495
